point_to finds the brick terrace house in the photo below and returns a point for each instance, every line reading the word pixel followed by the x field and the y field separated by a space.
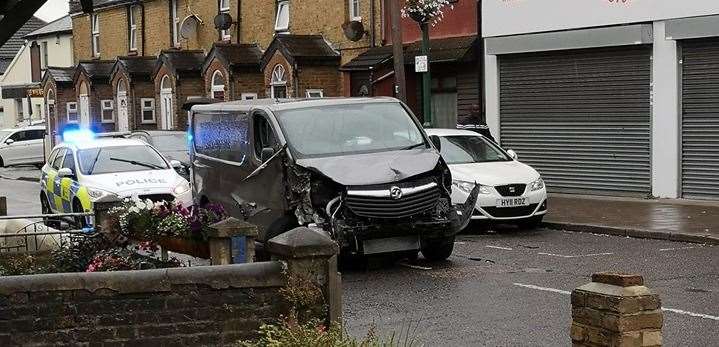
pixel 454 64
pixel 60 98
pixel 269 49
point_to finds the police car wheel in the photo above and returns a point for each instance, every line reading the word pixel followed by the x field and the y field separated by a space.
pixel 44 205
pixel 80 221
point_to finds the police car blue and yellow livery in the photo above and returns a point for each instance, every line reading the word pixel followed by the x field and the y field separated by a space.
pixel 83 172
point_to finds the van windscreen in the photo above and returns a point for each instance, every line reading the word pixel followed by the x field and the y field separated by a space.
pixel 349 129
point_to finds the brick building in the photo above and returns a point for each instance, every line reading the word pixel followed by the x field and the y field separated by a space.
pixel 301 45
pixel 60 98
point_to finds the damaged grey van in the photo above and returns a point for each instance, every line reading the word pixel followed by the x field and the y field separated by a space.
pixel 360 170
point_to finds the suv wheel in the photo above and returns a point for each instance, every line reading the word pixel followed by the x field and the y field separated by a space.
pixel 438 249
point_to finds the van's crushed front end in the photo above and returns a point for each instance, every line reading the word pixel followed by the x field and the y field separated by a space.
pixel 367 209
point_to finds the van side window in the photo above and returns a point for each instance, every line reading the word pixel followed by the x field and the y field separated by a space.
pixel 58 159
pixel 222 135
pixel 264 136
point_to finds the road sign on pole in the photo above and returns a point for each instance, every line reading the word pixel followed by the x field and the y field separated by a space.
pixel 420 63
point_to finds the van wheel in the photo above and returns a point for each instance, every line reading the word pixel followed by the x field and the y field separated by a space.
pixel 438 249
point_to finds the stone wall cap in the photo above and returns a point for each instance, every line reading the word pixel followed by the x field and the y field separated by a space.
pixel 612 290
pixel 232 227
pixel 265 274
pixel 302 242
pixel 618 279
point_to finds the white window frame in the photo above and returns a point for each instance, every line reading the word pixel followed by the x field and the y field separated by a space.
pixel 248 96
pixel 45 55
pixel 217 87
pixel 280 5
pixel 175 24
pixel 95 24
pixel 354 8
pixel 133 28
pixel 147 108
pixel 279 79
pixel 71 107
pixel 107 105
pixel 309 92
pixel 224 6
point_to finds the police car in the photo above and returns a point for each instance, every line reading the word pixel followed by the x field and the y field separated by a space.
pixel 86 170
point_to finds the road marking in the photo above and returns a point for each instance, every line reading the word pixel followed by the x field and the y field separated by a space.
pixel 667 309
pixel 700 315
pixel 674 249
pixel 573 256
pixel 498 247
pixel 531 286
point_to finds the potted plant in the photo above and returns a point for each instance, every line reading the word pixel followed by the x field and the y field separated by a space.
pixel 425 11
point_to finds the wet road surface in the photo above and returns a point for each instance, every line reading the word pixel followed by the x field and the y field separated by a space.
pixel 512 288
pixel 22 197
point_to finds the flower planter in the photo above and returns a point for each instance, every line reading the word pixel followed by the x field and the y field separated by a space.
pixel 191 247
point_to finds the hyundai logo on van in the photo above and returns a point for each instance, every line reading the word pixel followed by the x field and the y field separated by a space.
pixel 131 182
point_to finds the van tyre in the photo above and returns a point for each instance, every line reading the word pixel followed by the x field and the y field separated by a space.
pixel 530 223
pixel 437 249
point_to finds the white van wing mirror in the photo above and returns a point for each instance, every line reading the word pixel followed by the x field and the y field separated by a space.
pixel 512 154
pixel 266 154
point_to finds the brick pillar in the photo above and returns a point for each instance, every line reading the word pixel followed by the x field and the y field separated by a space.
pixel 312 255
pixel 616 310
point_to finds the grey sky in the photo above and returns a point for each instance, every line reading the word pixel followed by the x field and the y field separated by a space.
pixel 53 9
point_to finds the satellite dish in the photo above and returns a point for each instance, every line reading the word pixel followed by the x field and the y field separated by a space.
pixel 354 30
pixel 223 21
pixel 188 28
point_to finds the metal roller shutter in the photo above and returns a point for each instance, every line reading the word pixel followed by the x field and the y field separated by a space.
pixel 700 119
pixel 580 117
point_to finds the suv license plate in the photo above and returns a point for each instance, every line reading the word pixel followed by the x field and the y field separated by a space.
pixel 512 202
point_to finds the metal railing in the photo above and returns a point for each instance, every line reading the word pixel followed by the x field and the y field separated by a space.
pixel 42 232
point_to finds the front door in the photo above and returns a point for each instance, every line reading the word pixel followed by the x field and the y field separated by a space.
pixel 122 118
pixel 166 109
pixel 84 111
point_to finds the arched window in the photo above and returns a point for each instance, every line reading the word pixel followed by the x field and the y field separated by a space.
pixel 121 88
pixel 278 84
pixel 50 102
pixel 217 90
pixel 166 85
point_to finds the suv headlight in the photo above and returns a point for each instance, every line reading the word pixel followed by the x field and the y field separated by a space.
pixel 536 185
pixel 182 188
pixel 468 186
pixel 99 194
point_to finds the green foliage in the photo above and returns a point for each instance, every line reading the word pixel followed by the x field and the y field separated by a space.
pixel 313 334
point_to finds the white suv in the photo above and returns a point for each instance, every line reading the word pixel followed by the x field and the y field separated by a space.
pixel 22 146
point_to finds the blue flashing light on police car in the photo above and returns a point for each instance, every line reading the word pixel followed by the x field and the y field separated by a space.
pixel 78 135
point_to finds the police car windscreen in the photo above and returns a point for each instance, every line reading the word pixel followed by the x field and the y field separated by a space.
pixel 349 129
pixel 102 160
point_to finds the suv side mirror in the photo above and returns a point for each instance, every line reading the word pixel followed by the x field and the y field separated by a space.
pixel 512 154
pixel 436 142
pixel 9 141
pixel 267 152
pixel 65 172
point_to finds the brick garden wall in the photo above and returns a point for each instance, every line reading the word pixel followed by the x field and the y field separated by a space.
pixel 213 305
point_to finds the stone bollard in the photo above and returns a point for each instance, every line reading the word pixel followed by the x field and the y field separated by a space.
pixel 312 255
pixel 616 309
pixel 232 241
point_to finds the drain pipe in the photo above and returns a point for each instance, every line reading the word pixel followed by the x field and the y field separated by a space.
pixel 372 23
pixel 237 22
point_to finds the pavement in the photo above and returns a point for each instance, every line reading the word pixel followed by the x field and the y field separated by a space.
pixel 664 219
pixel 23 197
pixel 511 288
pixel 27 173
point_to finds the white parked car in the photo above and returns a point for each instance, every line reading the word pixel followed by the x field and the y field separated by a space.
pixel 22 146
pixel 84 172
pixel 510 191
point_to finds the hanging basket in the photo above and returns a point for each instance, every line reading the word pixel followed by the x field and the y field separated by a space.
pixel 198 249
pixel 418 17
